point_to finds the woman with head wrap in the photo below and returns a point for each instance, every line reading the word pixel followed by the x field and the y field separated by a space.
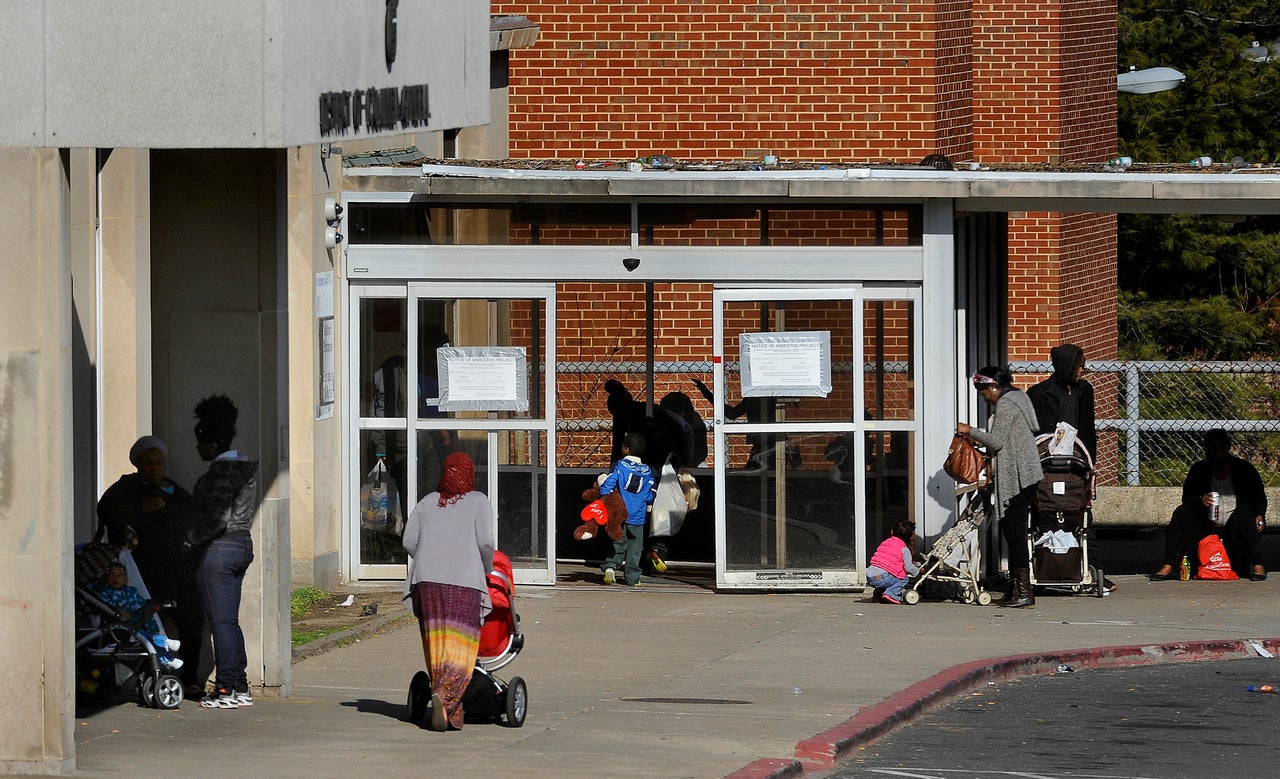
pixel 156 512
pixel 450 540
pixel 1011 438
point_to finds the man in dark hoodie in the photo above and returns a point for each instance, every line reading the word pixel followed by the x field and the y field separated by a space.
pixel 1067 397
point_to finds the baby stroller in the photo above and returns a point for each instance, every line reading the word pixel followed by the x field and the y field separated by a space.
pixel 1062 512
pixel 113 653
pixel 943 577
pixel 488 699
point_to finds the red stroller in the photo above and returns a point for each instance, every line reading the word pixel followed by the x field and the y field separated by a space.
pixel 488 698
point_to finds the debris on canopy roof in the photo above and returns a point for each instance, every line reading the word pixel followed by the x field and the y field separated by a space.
pixel 414 157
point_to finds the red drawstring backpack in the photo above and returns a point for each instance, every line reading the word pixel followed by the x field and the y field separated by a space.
pixel 1214 563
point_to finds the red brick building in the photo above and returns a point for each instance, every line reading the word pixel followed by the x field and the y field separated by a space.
pixel 976 81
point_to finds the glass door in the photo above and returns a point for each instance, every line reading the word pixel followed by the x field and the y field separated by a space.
pixel 479 353
pixel 815 431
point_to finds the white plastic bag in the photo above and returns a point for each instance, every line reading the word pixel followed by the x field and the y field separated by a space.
pixel 1064 439
pixel 1058 541
pixel 669 505
pixel 380 501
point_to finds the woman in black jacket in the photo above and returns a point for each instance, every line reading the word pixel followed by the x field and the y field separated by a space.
pixel 1241 518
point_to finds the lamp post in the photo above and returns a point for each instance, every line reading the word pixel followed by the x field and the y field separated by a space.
pixel 1148 80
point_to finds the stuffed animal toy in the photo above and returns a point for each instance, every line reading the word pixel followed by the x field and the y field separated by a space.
pixel 614 514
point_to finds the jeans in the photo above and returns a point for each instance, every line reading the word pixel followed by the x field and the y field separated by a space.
pixel 888 583
pixel 220 577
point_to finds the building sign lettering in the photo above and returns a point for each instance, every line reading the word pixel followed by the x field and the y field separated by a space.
pixel 374 110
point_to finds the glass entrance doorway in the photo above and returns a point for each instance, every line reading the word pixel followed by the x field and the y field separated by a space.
pixel 816 430
pixel 479 354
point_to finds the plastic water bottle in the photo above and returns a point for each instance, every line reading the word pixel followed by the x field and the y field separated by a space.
pixel 1118 164
pixel 1184 570
pixel 1202 162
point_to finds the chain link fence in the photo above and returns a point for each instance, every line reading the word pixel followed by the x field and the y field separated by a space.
pixel 1152 415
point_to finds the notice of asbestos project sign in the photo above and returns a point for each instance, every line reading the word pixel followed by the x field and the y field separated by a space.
pixel 483 378
pixel 786 364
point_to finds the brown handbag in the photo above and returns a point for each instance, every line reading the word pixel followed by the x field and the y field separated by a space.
pixel 965 461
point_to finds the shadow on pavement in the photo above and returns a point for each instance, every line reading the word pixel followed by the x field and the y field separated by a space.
pixel 395 711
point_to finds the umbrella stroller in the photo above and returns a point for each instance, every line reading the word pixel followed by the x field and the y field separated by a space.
pixel 488 699
pixel 953 565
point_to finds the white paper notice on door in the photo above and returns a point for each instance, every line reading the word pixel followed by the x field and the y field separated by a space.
pixel 785 364
pixel 483 378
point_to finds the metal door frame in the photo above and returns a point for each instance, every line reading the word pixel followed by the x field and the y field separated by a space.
pixel 858 294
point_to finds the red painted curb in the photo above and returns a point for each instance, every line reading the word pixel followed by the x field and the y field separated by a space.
pixel 824 750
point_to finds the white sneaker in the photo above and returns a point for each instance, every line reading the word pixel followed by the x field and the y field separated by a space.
pixel 173 662
pixel 172 644
pixel 243 699
pixel 221 699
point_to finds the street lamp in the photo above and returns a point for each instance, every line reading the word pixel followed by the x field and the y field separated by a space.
pixel 1262 52
pixel 1148 80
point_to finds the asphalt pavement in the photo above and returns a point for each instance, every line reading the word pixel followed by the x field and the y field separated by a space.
pixel 673 681
pixel 1174 721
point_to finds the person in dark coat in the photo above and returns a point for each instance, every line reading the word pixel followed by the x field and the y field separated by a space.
pixel 1242 517
pixel 1066 397
pixel 159 514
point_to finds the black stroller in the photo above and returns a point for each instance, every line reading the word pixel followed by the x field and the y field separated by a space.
pixel 113 653
pixel 1061 515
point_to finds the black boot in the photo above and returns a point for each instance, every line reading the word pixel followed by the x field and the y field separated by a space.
pixel 1010 588
pixel 1023 595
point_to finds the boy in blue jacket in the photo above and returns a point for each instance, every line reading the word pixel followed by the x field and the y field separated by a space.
pixel 634 481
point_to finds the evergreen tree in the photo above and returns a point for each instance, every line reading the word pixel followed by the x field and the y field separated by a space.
pixel 1197 287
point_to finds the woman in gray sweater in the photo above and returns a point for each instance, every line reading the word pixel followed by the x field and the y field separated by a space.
pixel 450 539
pixel 1011 439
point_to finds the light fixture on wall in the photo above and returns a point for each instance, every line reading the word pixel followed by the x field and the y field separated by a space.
pixel 333 220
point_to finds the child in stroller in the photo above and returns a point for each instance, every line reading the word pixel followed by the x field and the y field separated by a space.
pixel 119 638
pixel 114 590
pixel 488 698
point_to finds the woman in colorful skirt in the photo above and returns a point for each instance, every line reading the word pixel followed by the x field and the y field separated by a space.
pixel 450 540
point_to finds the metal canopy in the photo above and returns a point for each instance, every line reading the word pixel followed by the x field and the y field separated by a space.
pixel 1241 191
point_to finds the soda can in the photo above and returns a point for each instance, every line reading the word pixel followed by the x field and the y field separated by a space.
pixel 1215 507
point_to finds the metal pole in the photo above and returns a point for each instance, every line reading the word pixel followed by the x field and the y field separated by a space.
pixel 1132 437
pixel 649 348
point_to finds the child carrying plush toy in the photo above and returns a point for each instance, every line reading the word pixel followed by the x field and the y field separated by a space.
pixel 634 480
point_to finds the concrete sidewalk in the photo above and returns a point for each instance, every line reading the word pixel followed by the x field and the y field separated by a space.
pixel 757 675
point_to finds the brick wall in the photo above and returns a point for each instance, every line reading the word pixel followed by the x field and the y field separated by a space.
pixel 1025 81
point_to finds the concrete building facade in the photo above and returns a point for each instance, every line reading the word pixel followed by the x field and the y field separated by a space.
pixel 166 172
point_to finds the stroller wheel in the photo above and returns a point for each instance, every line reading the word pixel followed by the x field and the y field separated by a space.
pixel 984 598
pixel 419 696
pixel 911 597
pixel 517 700
pixel 165 693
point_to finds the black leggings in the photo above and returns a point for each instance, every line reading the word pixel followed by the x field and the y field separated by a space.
pixel 1015 523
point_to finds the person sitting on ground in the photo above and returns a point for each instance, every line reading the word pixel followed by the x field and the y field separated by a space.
pixel 892 564
pixel 1241 512
pixel 115 591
